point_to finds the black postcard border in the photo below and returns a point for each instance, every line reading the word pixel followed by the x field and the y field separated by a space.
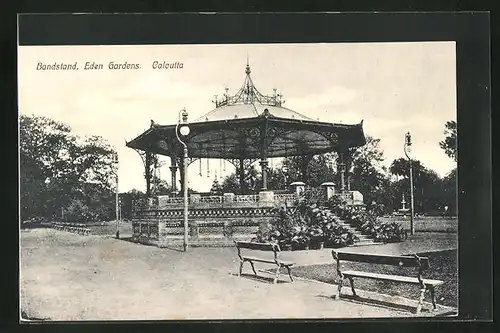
pixel 469 29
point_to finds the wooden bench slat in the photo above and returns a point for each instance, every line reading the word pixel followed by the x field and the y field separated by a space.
pixel 258 246
pixel 267 247
pixel 386 277
pixel 402 261
pixel 271 261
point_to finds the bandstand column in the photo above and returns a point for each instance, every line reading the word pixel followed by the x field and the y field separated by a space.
pixel 242 176
pixel 263 165
pixel 348 159
pixel 173 172
pixel 342 169
pixel 305 160
pixel 148 161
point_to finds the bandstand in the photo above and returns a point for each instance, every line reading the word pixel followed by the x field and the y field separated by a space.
pixel 242 129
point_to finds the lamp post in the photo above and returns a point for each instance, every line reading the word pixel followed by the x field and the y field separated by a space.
pixel 182 129
pixel 117 207
pixel 407 149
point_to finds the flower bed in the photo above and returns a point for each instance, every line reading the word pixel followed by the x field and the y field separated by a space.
pixel 306 225
pixel 369 224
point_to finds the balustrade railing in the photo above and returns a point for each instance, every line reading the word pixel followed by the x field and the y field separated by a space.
pixel 289 197
pixel 173 200
pixel 211 199
pixel 246 198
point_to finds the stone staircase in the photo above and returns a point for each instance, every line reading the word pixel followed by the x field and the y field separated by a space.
pixel 364 240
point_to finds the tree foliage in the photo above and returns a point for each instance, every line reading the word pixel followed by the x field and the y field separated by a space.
pixel 366 174
pixel 449 144
pixel 231 183
pixel 60 173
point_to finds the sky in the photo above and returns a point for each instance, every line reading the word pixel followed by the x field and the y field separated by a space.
pixel 393 87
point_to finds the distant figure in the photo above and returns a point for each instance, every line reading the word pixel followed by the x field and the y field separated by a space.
pixel 445 211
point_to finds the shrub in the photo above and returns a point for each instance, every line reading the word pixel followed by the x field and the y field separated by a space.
pixel 78 211
pixel 391 232
pixel 306 223
pixel 368 223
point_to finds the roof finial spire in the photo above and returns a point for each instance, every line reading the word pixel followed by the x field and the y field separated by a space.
pixel 247 69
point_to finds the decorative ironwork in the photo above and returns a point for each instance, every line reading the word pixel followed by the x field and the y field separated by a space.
pixel 209 212
pixel 191 160
pixel 248 94
pixel 246 162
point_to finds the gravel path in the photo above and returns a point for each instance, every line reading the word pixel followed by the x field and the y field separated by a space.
pixel 70 277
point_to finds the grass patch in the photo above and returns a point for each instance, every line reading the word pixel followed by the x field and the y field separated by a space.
pixel 426 223
pixel 443 267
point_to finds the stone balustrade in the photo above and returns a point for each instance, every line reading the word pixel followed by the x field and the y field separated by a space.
pixel 228 200
pixel 212 220
pixel 78 228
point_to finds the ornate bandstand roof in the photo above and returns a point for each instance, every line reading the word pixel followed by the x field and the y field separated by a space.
pixel 251 125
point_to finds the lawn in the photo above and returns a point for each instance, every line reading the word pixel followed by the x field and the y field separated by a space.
pixel 443 267
pixel 426 223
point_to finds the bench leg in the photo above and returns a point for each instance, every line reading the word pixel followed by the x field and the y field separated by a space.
pixel 339 286
pixel 352 286
pixel 241 267
pixel 421 300
pixel 277 275
pixel 433 297
pixel 253 268
pixel 289 272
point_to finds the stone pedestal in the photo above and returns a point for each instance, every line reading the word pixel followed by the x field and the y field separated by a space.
pixel 330 192
pixel 152 201
pixel 357 198
pixel 162 200
pixel 329 189
pixel 195 198
pixel 229 197
pixel 298 188
pixel 266 198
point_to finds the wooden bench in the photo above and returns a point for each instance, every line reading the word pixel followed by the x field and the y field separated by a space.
pixel 421 263
pixel 262 248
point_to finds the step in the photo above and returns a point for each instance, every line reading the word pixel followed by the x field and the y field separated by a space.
pixel 363 241
pixel 364 237
pixel 366 244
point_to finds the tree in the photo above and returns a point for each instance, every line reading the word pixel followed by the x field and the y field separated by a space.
pixel 401 167
pixel 371 182
pixel 251 179
pixel 57 168
pixel 367 174
pixel 160 186
pixel 449 144
pixel 371 152
pixel 312 170
pixel 427 185
pixel 217 188
pixel 128 200
pixel 450 191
